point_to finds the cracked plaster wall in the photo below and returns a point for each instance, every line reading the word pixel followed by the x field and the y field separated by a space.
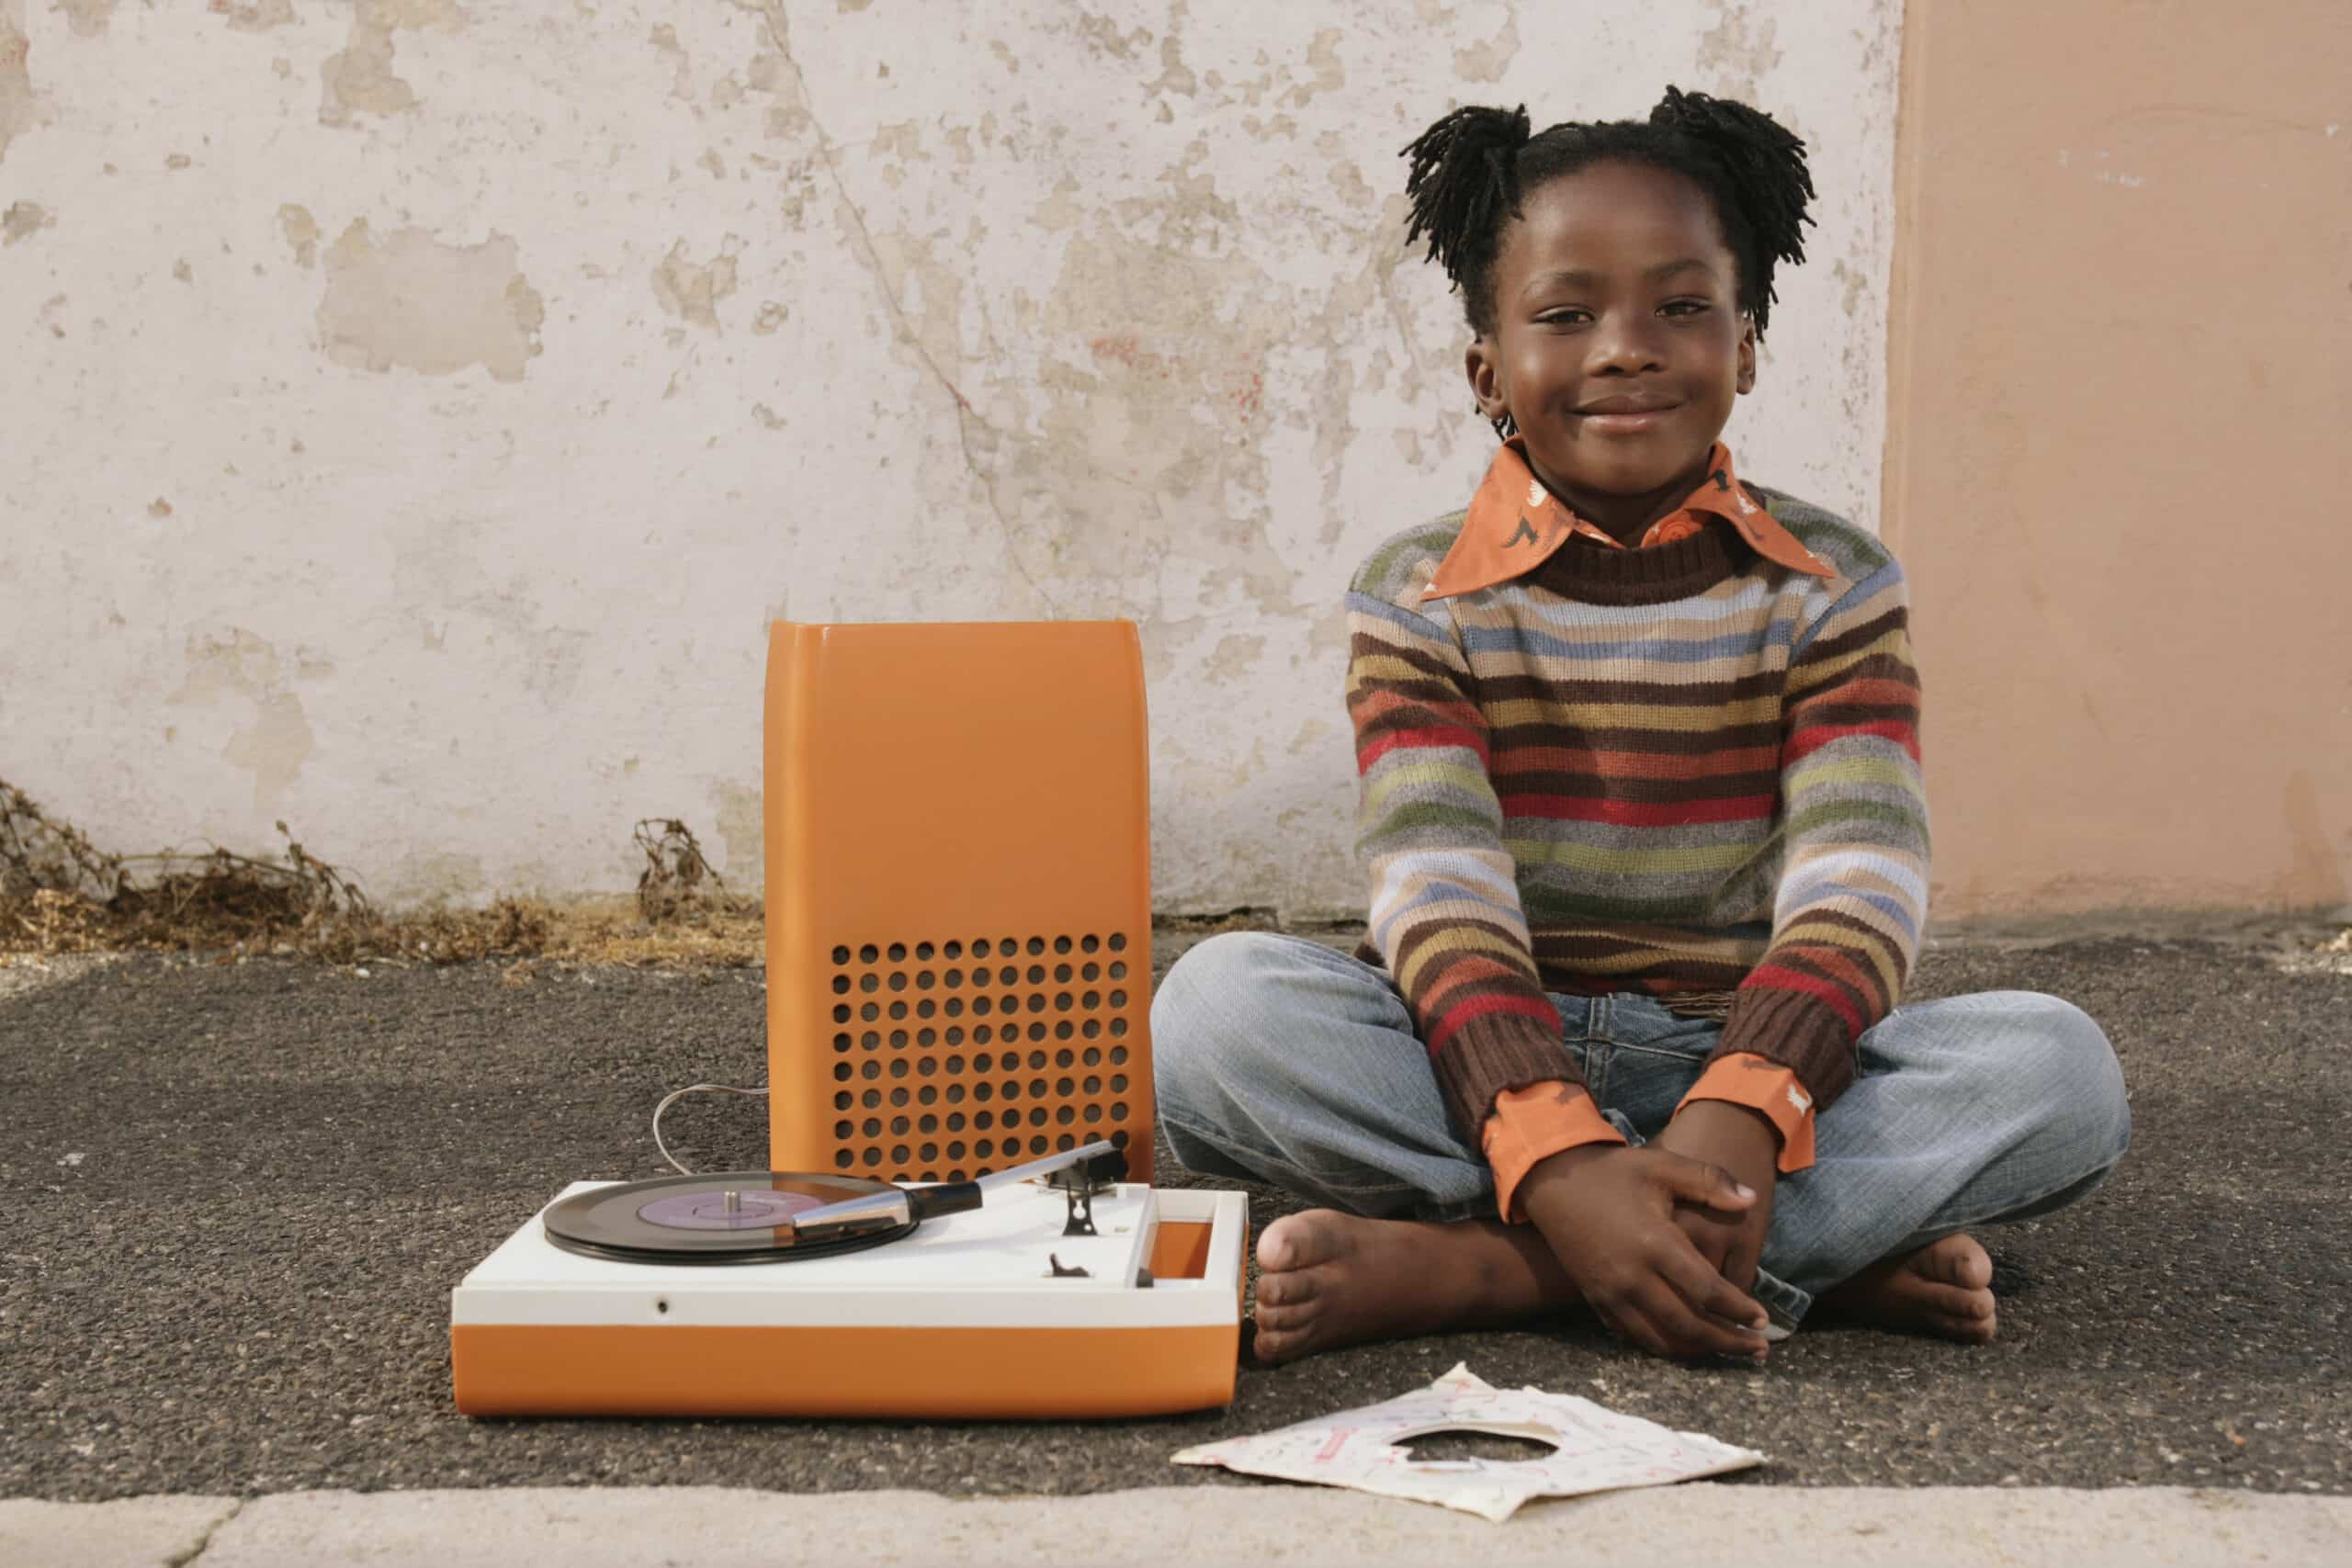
pixel 416 409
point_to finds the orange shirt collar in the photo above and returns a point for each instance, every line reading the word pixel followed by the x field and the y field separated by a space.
pixel 1515 525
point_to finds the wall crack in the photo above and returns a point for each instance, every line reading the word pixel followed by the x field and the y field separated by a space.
pixel 778 25
pixel 1384 278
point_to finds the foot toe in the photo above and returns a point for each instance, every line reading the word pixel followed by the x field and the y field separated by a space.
pixel 1938 1300
pixel 1302 1241
pixel 1959 1260
pixel 1275 1246
pixel 1972 1330
pixel 1282 1319
pixel 1288 1287
pixel 1276 1345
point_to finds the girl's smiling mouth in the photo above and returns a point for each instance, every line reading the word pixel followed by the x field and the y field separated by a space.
pixel 1624 413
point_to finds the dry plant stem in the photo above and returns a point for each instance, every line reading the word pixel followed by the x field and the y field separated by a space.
pixel 37 854
pixel 674 870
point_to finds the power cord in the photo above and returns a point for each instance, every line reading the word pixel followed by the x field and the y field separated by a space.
pixel 674 1096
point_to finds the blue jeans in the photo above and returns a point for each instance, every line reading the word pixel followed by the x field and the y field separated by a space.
pixel 1280 1060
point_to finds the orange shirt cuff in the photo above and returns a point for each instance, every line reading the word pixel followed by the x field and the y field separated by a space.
pixel 1769 1088
pixel 1533 1124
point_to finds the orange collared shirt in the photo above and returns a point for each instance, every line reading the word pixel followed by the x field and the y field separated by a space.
pixel 1514 525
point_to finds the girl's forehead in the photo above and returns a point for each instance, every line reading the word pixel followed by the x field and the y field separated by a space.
pixel 1615 211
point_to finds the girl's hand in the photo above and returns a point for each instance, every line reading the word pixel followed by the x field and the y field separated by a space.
pixel 1742 1142
pixel 1608 1212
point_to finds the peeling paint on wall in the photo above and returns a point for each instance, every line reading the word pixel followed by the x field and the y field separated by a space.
pixel 19 112
pixel 1738 51
pixel 256 16
pixel 88 18
pixel 743 830
pixel 1234 659
pixel 275 743
pixel 1323 59
pixel 414 302
pixel 302 232
pixel 664 38
pixel 1104 34
pixel 23 220
pixel 1487 61
pixel 359 79
pixel 692 290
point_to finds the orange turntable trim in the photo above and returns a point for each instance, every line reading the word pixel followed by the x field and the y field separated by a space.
pixel 512 1369
pixel 958 897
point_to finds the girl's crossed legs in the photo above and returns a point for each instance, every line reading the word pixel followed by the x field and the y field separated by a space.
pixel 1280 1060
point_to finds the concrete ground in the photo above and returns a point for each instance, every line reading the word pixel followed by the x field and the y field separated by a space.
pixel 240 1195
pixel 718 1528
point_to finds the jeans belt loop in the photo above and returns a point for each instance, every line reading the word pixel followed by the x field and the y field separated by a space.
pixel 1601 1009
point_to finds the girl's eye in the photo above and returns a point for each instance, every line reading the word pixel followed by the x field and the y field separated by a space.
pixel 1684 307
pixel 1564 318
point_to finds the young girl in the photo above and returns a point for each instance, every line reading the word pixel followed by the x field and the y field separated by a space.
pixel 1648 846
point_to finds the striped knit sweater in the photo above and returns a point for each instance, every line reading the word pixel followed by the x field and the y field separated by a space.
pixel 1683 769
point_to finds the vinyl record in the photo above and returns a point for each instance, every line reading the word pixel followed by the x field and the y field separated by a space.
pixel 729 1217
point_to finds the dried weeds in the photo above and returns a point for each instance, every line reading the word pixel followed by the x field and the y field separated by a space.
pixel 62 894
pixel 676 879
pixel 2324 955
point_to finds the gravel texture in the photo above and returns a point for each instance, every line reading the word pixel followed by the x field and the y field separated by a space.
pixel 241 1194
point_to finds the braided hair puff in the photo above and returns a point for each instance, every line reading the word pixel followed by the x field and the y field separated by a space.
pixel 1463 181
pixel 1764 169
pixel 1471 170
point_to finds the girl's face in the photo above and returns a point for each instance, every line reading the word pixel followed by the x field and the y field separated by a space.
pixel 1619 343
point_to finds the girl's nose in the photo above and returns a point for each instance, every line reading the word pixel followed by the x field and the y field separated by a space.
pixel 1622 343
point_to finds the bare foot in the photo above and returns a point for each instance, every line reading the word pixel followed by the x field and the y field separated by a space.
pixel 1326 1278
pixel 1944 1288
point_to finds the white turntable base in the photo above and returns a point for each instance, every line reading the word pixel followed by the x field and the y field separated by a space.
pixel 963 1317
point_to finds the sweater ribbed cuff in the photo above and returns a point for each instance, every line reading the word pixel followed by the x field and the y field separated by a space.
pixel 1492 1056
pixel 1801 1032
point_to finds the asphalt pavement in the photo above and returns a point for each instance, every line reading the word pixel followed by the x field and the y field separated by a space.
pixel 239 1195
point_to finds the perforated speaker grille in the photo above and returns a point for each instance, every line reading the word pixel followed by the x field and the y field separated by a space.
pixel 955 1058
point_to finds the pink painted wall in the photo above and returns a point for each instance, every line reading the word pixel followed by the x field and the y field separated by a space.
pixel 2121 393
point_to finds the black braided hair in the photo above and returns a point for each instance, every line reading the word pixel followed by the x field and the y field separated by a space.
pixel 1471 170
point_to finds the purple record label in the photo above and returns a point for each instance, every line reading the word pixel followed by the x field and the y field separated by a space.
pixel 709 1210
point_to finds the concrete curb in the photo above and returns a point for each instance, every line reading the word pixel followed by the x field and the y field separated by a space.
pixel 131 1531
pixel 1243 1526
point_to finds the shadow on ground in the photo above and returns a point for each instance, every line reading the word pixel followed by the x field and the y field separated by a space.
pixel 239 1197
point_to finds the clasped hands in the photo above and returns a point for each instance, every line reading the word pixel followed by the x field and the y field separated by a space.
pixel 1662 1241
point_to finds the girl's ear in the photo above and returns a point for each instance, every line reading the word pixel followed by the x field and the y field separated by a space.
pixel 1482 362
pixel 1747 354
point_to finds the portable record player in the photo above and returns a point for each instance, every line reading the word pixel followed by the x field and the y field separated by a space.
pixel 958 945
pixel 1055 1297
